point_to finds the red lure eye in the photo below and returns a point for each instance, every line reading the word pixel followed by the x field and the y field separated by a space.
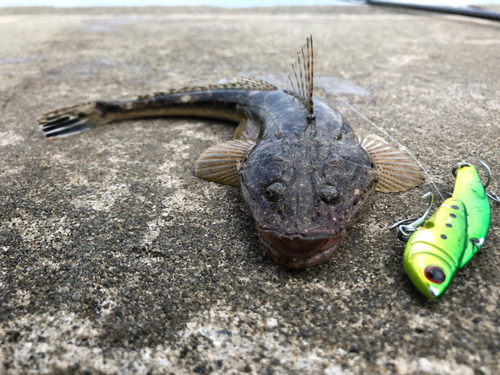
pixel 435 274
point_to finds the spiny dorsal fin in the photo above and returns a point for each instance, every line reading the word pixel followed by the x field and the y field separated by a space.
pixel 302 90
pixel 240 83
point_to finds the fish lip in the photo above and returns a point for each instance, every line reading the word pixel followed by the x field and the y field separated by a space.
pixel 298 251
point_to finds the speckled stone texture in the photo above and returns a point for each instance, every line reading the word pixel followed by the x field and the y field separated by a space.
pixel 116 259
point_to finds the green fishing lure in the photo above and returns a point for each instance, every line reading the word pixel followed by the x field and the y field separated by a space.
pixel 451 236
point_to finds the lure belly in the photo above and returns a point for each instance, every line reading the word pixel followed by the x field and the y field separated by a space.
pixel 451 236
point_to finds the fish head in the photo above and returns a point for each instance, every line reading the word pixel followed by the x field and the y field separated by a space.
pixel 430 273
pixel 303 193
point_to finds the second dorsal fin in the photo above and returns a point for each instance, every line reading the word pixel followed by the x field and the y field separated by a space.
pixel 302 81
pixel 240 83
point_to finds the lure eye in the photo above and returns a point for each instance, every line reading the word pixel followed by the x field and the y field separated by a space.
pixel 329 194
pixel 274 191
pixel 435 274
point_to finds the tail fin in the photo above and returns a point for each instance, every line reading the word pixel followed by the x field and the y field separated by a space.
pixel 71 120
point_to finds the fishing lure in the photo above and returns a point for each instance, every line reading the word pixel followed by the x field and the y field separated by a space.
pixel 451 236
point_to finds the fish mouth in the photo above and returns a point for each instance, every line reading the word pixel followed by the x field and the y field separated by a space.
pixel 297 251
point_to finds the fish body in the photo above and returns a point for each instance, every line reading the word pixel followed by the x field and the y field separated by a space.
pixel 451 236
pixel 304 174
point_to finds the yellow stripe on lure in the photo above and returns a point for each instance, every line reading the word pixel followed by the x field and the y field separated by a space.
pixel 451 236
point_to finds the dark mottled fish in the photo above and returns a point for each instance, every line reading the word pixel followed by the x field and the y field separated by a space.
pixel 303 172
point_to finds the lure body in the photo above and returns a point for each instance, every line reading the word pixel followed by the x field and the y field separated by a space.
pixel 469 189
pixel 435 251
pixel 451 236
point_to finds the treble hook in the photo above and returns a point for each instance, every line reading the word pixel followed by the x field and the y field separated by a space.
pixel 405 230
pixel 458 165
pixel 490 194
pixel 493 196
pixel 489 173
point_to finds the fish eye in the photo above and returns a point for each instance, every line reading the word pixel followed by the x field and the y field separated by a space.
pixel 329 194
pixel 274 191
pixel 435 274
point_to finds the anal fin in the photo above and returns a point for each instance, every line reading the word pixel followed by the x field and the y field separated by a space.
pixel 398 172
pixel 219 163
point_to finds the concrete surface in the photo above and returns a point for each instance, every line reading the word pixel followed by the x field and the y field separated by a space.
pixel 116 259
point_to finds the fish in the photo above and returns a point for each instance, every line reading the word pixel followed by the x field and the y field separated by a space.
pixel 451 237
pixel 304 174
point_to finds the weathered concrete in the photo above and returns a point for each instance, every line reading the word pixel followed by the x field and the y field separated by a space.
pixel 116 259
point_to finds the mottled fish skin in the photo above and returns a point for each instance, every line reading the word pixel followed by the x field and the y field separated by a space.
pixel 216 101
pixel 305 158
pixel 303 173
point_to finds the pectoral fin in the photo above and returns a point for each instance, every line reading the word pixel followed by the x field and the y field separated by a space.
pixel 219 163
pixel 398 172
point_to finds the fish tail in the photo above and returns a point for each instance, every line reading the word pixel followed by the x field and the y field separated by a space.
pixel 72 120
